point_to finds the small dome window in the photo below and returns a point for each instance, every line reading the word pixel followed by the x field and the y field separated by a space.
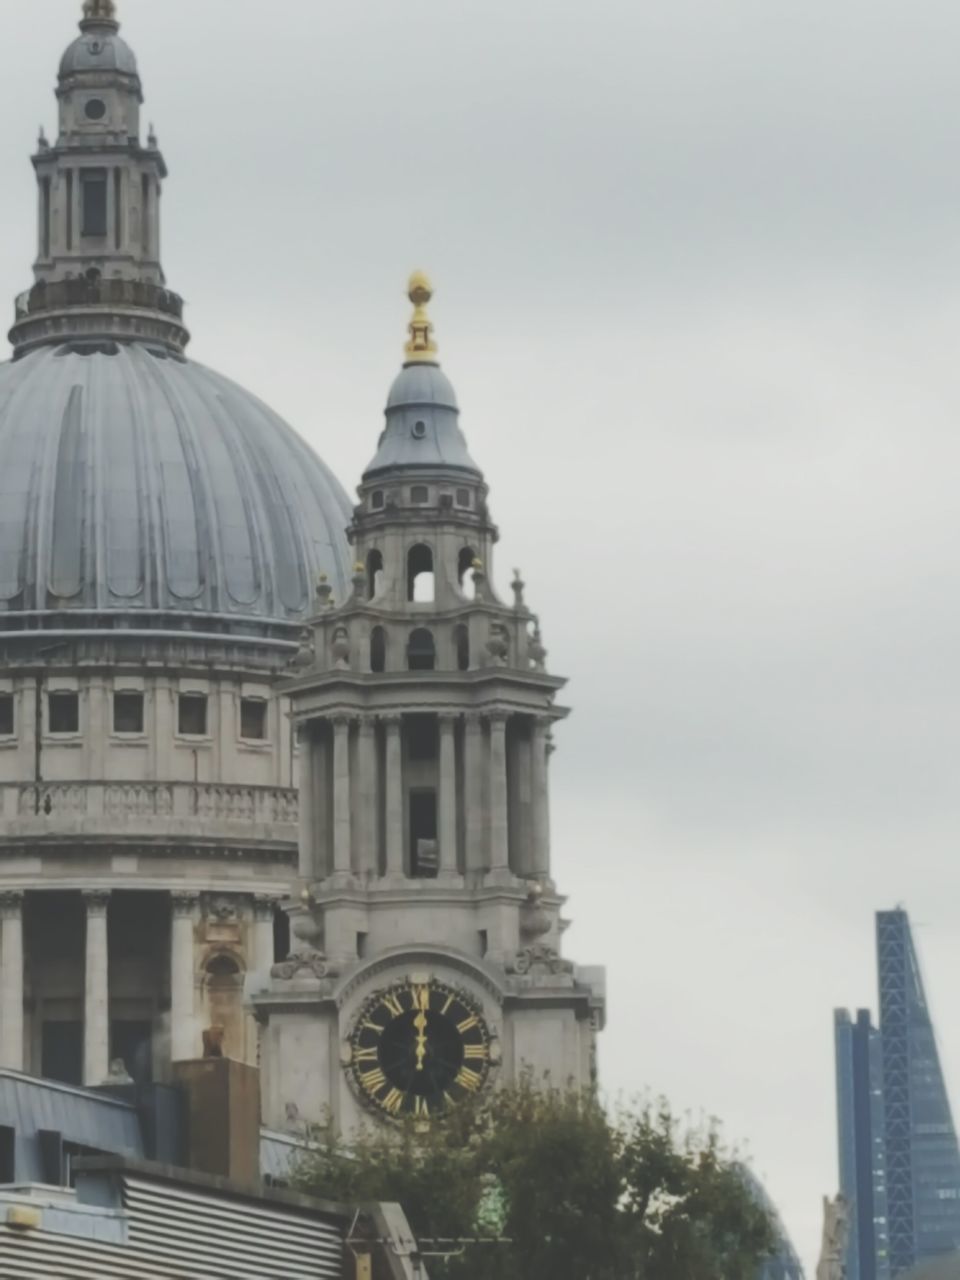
pixel 376 500
pixel 463 498
pixel 378 649
pixel 95 109
pixel 419 429
pixel 419 494
pixel 421 650
pixel 420 579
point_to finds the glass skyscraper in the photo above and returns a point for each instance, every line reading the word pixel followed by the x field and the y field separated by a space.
pixel 899 1158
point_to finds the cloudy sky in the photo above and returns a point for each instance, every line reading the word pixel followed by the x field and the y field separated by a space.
pixel 699 289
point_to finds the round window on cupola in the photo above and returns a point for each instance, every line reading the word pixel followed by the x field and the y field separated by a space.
pixel 95 109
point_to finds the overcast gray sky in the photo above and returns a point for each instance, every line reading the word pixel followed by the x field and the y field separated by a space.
pixel 698 286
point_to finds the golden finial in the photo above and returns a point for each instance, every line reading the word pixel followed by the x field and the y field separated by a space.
pixel 99 11
pixel 421 348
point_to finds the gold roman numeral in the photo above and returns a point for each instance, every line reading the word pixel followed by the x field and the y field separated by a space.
pixel 421 1108
pixel 392 1005
pixel 446 1007
pixel 366 1055
pixel 373 1081
pixel 421 998
pixel 468 1024
pixel 373 1026
pixel 476 1052
pixel 469 1080
pixel 393 1102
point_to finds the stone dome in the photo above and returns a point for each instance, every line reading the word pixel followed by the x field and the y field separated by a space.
pixel 98 49
pixel 423 428
pixel 134 485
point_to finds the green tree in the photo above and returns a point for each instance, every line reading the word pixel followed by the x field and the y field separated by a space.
pixel 580 1196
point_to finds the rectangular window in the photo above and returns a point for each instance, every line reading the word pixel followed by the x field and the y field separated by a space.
pixel 64 712
pixel 419 494
pixel 145 213
pixel 253 719
pixel 128 713
pixel 45 217
pixel 93 185
pixel 192 717
pixel 463 497
pixel 69 198
pixel 6 715
pixel 61 1052
pixel 424 860
pixel 118 207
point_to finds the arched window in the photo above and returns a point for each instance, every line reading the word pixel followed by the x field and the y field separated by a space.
pixel 421 650
pixel 465 572
pixel 461 640
pixel 378 649
pixel 420 580
pixel 374 573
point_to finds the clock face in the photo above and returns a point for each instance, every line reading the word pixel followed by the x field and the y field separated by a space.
pixel 418 1048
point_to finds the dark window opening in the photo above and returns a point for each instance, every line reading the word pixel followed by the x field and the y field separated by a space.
pixel 45 217
pixel 463 497
pixel 421 651
pixel 424 862
pixel 131 1043
pixel 374 573
pixel 8 1154
pixel 281 934
pixel 192 715
pixel 461 638
pixel 145 213
pixel 419 494
pixel 223 968
pixel 253 719
pixel 64 709
pixel 420 582
pixel 484 942
pixel 128 713
pixel 93 190
pixel 118 207
pixel 362 946
pixel 422 737
pixel 465 564
pixel 95 109
pixel 378 650
pixel 6 715
pixel 69 209
pixel 376 499
pixel 61 1052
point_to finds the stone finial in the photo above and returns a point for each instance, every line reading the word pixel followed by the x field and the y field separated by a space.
pixel 359 581
pixel 100 11
pixel 519 587
pixel 43 143
pixel 324 591
pixel 421 348
pixel 536 649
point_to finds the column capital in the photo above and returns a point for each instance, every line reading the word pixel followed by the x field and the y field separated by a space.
pixel 342 720
pixel 96 901
pixel 11 903
pixel 498 718
pixel 304 732
pixel 367 724
pixel 448 719
pixel 184 902
pixel 392 719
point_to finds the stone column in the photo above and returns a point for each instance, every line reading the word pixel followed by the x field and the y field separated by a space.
pixel 11 981
pixel 184 1040
pixel 541 799
pixel 448 795
pixel 261 950
pixel 473 773
pixel 308 807
pixel 342 863
pixel 367 824
pixel 499 814
pixel 96 998
pixel 394 797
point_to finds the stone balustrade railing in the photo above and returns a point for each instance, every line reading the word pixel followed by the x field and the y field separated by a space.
pixel 148 808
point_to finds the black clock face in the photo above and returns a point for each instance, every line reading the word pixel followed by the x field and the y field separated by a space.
pixel 418 1048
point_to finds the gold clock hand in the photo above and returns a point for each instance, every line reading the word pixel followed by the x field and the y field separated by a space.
pixel 420 1022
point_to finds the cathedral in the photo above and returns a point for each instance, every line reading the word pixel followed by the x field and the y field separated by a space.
pixel 274 766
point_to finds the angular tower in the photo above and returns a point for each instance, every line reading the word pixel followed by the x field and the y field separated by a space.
pixel 923 1160
pixel 429 961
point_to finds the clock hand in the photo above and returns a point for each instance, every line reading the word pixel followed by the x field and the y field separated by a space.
pixel 420 1022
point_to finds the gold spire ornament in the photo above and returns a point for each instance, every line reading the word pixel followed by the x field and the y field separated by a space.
pixel 421 349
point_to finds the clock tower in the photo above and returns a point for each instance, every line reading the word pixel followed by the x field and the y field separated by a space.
pixel 426 963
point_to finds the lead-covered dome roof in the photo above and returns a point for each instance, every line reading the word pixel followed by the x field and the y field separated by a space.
pixel 133 483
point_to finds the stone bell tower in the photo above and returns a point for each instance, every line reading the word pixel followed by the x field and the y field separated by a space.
pixel 424 712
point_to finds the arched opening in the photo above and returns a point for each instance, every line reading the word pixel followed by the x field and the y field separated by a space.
pixel 465 561
pixel 223 983
pixel 378 649
pixel 461 640
pixel 421 650
pixel 420 578
pixel 374 573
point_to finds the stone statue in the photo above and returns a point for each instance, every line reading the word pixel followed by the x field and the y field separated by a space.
pixel 836 1230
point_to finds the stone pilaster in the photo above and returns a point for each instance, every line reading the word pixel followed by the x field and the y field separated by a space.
pixel 261 951
pixel 342 833
pixel 96 998
pixel 308 807
pixel 448 795
pixel 499 812
pixel 367 796
pixel 473 771
pixel 11 981
pixel 394 797
pixel 540 789
pixel 184 1036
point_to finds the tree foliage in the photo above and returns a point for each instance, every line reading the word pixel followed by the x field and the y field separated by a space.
pixel 579 1195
